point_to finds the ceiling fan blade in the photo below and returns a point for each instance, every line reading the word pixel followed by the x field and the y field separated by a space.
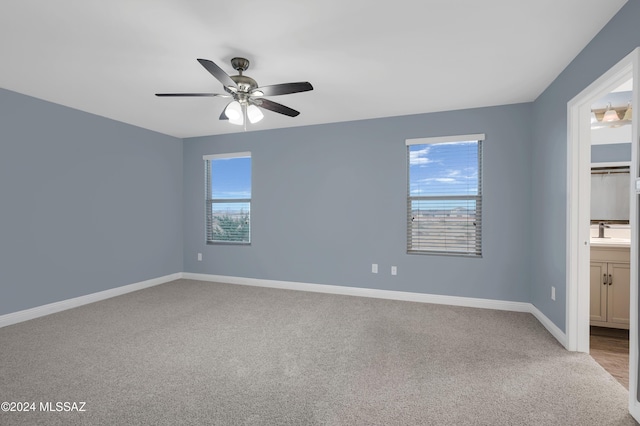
pixel 275 107
pixel 193 94
pixel 217 72
pixel 223 116
pixel 283 89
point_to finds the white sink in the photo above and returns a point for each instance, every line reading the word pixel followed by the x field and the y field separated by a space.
pixel 615 235
pixel 617 242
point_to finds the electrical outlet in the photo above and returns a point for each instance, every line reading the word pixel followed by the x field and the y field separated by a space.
pixel 394 270
pixel 553 293
pixel 199 257
pixel 374 268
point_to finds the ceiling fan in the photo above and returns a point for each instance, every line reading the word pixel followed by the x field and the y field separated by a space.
pixel 248 98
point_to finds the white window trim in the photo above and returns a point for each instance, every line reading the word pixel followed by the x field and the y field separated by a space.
pixel 444 139
pixel 226 155
pixel 207 158
pixel 479 137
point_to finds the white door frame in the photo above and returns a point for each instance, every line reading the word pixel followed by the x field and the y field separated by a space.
pixel 579 208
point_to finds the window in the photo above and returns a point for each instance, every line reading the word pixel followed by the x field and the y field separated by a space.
pixel 228 198
pixel 444 201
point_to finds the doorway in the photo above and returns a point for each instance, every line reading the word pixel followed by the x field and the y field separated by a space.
pixel 578 215
pixel 609 304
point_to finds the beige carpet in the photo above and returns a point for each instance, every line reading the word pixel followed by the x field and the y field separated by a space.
pixel 191 352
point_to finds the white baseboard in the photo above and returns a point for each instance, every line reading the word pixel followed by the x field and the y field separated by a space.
pixel 550 326
pixel 390 294
pixel 503 305
pixel 51 308
pixel 366 292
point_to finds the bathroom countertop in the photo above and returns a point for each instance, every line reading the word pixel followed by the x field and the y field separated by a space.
pixel 615 236
pixel 610 242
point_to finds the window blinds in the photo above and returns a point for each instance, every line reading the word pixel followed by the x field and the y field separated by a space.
pixel 444 202
pixel 228 198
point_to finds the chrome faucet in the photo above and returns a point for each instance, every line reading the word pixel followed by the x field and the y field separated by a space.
pixel 601 227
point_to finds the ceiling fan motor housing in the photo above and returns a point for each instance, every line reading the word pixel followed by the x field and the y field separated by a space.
pixel 245 84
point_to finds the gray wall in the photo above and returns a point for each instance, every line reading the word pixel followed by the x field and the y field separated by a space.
pixel 87 203
pixel 549 156
pixel 330 200
pixel 614 152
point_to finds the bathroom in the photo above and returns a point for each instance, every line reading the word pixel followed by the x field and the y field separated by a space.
pixel 610 231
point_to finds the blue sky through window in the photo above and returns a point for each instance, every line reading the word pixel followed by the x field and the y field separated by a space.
pixel 443 169
pixel 231 178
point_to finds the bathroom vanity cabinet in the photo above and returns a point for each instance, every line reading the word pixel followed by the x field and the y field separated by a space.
pixel 610 280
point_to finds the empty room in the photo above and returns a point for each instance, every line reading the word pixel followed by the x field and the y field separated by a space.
pixel 321 212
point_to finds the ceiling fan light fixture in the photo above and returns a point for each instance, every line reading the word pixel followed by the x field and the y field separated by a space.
pixel 234 113
pixel 254 114
pixel 594 119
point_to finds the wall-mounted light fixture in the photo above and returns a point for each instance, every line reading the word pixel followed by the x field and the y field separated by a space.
pixel 611 116
pixel 628 113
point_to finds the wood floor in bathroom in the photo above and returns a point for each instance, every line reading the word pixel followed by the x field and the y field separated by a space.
pixel 610 348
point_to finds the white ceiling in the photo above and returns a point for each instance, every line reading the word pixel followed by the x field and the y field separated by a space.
pixel 395 58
